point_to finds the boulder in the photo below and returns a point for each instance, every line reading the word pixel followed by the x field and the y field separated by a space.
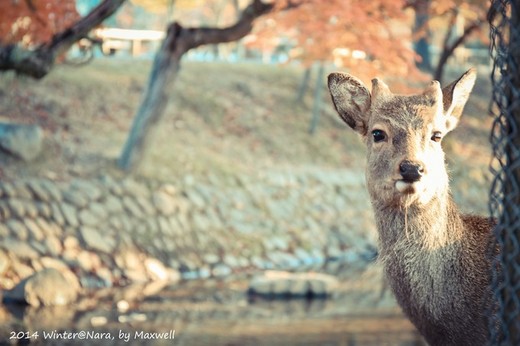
pixel 4 262
pixel 21 140
pixel 48 287
pixel 278 284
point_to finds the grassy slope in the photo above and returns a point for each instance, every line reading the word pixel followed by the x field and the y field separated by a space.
pixel 222 119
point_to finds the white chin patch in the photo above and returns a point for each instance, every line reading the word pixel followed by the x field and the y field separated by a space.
pixel 404 187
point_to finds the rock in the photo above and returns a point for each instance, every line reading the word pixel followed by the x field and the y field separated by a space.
pixel 260 285
pixel 132 208
pixel 211 258
pixel 133 188
pixel 98 321
pixel 197 199
pixel 201 223
pixel 168 189
pixel 146 206
pixel 36 265
pixel 5 211
pixel 232 261
pixel 88 218
pixel 20 249
pixel 38 191
pixel 70 242
pixel 57 215
pixel 280 243
pixel 129 258
pixel 113 205
pixel 94 240
pixel 4 262
pixel 321 284
pixel 21 140
pixel 115 223
pixel 39 247
pixel 50 262
pixel 48 287
pixel 99 211
pixel 156 269
pixel 8 189
pixel 164 226
pixel 22 191
pixel 21 269
pixel 280 283
pixel 34 230
pixel 221 270
pixel 75 198
pixel 88 261
pixel 284 260
pixel 164 203
pixel 135 276
pixel 4 231
pixel 44 210
pixel 16 207
pixel 281 286
pixel 106 276
pixel 31 210
pixel 86 188
pixel 299 288
pixel 69 213
pixel 53 190
pixel 18 229
pixel 122 306
pixel 53 245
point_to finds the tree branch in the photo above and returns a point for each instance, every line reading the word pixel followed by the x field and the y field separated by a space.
pixel 201 36
pixel 448 49
pixel 38 62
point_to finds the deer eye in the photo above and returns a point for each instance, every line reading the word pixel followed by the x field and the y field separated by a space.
pixel 437 136
pixel 379 135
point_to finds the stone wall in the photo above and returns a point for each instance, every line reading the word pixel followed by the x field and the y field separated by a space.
pixel 110 231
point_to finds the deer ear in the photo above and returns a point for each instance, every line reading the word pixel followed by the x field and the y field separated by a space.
pixel 351 99
pixel 455 95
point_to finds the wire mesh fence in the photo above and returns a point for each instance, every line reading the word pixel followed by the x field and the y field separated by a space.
pixel 505 191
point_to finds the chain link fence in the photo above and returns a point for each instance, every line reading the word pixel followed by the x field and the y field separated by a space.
pixel 504 200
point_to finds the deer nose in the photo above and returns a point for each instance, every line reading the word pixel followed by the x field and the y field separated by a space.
pixel 411 171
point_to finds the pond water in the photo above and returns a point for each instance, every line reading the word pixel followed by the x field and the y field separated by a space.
pixel 216 312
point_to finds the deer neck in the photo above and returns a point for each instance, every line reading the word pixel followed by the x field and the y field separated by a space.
pixel 429 227
pixel 419 247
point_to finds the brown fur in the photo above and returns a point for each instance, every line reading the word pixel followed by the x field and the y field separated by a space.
pixel 434 257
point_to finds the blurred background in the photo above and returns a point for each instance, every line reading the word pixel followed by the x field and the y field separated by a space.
pixel 247 169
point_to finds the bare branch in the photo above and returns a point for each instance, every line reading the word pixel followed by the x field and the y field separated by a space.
pixel 201 36
pixel 448 49
pixel 38 62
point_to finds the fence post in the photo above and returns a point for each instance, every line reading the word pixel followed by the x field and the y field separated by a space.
pixel 505 192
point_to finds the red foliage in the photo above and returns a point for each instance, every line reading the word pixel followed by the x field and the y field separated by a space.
pixel 369 36
pixel 31 22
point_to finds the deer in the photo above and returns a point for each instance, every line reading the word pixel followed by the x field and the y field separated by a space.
pixel 436 260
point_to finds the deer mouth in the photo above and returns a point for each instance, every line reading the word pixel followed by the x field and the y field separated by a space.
pixel 406 187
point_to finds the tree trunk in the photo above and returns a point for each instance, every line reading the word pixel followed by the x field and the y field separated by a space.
pixel 318 92
pixel 304 85
pixel 38 63
pixel 421 28
pixel 166 65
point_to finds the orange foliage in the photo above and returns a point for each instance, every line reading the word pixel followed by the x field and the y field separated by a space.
pixel 368 36
pixel 31 22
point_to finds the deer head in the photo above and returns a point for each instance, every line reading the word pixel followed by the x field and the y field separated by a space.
pixel 403 134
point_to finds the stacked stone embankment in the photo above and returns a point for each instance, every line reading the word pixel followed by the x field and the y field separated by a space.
pixel 112 232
